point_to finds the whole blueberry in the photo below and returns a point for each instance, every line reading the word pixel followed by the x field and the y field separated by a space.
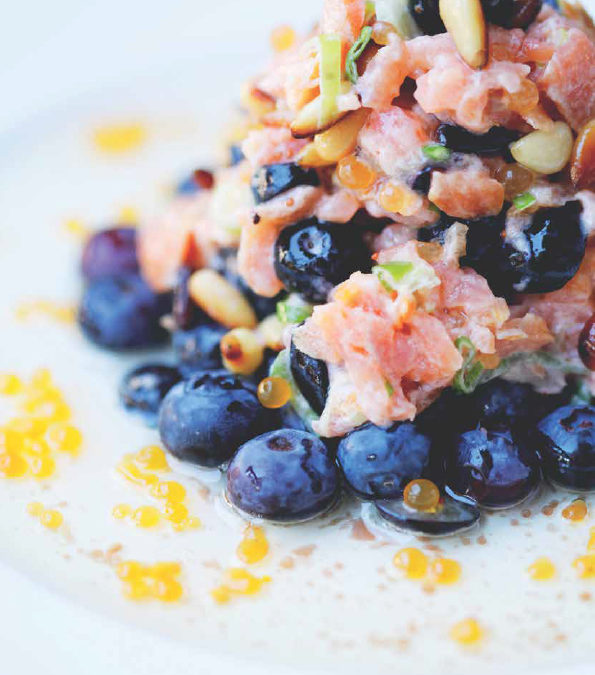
pixel 110 253
pixel 511 13
pixel 311 377
pixel 271 180
pixel 567 446
pixel 495 468
pixel 185 312
pixel 492 142
pixel 426 15
pixel 284 475
pixel 378 463
pixel 312 257
pixel 198 348
pixel 143 389
pixel 205 419
pixel 122 313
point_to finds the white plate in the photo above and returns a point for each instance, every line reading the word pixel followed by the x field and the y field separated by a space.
pixel 341 609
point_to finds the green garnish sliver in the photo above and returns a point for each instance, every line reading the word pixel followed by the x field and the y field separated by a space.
pixel 391 273
pixel 524 201
pixel 355 52
pixel 436 152
pixel 468 377
pixel 330 75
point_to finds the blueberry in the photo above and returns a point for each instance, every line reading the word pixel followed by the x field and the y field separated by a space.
pixel 312 257
pixel 426 15
pixel 110 253
pixel 271 180
pixel 196 182
pixel 205 419
pixel 143 389
pixel 289 419
pixel 122 313
pixel 455 515
pixel 551 251
pixel 511 13
pixel 567 446
pixel 284 475
pixel 495 468
pixel 198 348
pixel 422 181
pixel 236 155
pixel 311 377
pixel 185 311
pixel 493 142
pixel 378 463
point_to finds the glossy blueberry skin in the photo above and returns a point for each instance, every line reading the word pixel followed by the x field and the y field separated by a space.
pixel 567 447
pixel 427 16
pixel 284 475
pixel 511 13
pixel 312 257
pixel 456 515
pixel 311 377
pixel 271 180
pixel 289 419
pixel 198 348
pixel 110 253
pixel 423 180
pixel 143 389
pixel 185 312
pixel 205 419
pixel 556 242
pixel 122 313
pixel 236 155
pixel 378 463
pixel 493 142
pixel 495 468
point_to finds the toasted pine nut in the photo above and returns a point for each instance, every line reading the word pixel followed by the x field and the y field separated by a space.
pixel 545 151
pixel 220 300
pixel 465 22
pixel 241 351
pixel 340 140
pixel 270 332
pixel 309 157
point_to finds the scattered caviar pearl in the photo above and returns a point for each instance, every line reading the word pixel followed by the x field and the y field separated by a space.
pixel 542 569
pixel 42 467
pixel 576 510
pixel 355 174
pixel 466 632
pixel 129 470
pixel 175 512
pixel 274 392
pixel 51 519
pixel 146 516
pixel 591 542
pixel 121 511
pixel 445 571
pixel 398 199
pixel 168 590
pixel 51 310
pixel 11 441
pixel 585 566
pixel 254 546
pixel 382 32
pixel 412 562
pixel 12 465
pixel 282 38
pixel 152 458
pixel 128 215
pixel 119 138
pixel 241 351
pixel 421 495
pixel 35 509
pixel 64 437
pixel 169 490
pixel 10 384
pixel 142 582
pixel 76 227
pixel 238 581
pixel 28 426
pixel 515 178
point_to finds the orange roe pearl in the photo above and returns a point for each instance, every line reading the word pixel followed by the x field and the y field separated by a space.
pixel 382 32
pixel 515 178
pixel 412 562
pixel 543 569
pixel 169 490
pixel 466 632
pixel 397 199
pixel 274 392
pixel 42 467
pixel 585 566
pixel 355 174
pixel 422 495
pixel 28 426
pixel 152 458
pixel 254 546
pixel 238 581
pixel 150 581
pixel 576 510
pixel 175 512
pixel 51 519
pixel 168 590
pixel 445 571
pixel 282 38
pixel 146 516
pixel 12 465
pixel 64 437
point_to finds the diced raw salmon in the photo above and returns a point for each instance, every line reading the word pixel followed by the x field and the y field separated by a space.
pixel 344 18
pixel 257 240
pixel 526 334
pixel 338 207
pixel 466 193
pixel 271 145
pixel 384 75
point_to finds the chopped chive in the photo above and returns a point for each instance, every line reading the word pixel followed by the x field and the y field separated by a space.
pixel 355 52
pixel 390 274
pixel 330 74
pixel 370 10
pixel 469 376
pixel 524 201
pixel 389 388
pixel 436 152
pixel 293 310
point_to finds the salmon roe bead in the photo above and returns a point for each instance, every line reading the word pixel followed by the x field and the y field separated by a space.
pixel 396 198
pixel 12 465
pixel 169 490
pixel 466 632
pixel 64 437
pixel 575 511
pixel 542 569
pixel 152 458
pixel 51 519
pixel 146 516
pixel 254 546
pixel 274 392
pixel 28 426
pixel 354 174
pixel 11 441
pixel 585 566
pixel 150 581
pixel 445 571
pixel 422 495
pixel 238 581
pixel 383 32
pixel 515 179
pixel 42 467
pixel 282 38
pixel 412 562
pixel 175 512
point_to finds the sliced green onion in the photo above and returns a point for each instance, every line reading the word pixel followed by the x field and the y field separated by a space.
pixel 281 368
pixel 390 390
pixel 524 201
pixel 390 274
pixel 437 152
pixel 330 75
pixel 355 52
pixel 370 10
pixel 468 377
pixel 293 309
pixel 396 12
pixel 405 276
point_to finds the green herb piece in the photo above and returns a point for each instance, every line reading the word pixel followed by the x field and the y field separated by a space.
pixel 436 152
pixel 390 274
pixel 370 10
pixel 390 390
pixel 405 276
pixel 330 74
pixel 524 201
pixel 293 309
pixel 355 52
pixel 468 377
